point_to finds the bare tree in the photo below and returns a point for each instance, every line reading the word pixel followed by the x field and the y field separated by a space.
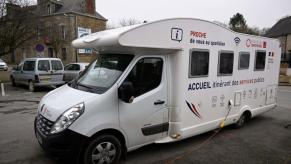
pixel 128 22
pixel 55 36
pixel 18 22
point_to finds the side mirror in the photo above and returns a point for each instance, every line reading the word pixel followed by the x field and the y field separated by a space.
pixel 126 92
pixel 80 73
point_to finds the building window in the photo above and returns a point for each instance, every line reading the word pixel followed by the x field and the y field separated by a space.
pixel 244 60
pixel 64 54
pixel 63 32
pixel 50 52
pixel 199 63
pixel 49 10
pixel 260 60
pixel 225 63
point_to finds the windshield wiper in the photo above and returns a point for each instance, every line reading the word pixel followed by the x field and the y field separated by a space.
pixel 85 86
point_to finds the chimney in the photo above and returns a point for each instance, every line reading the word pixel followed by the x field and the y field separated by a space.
pixel 90 7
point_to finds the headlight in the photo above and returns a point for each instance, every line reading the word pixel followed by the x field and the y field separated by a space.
pixel 67 118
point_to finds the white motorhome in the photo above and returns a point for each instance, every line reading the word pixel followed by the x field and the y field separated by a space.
pixel 158 82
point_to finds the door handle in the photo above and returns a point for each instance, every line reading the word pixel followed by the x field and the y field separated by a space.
pixel 159 102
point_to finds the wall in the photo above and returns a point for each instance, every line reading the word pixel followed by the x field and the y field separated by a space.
pixel 93 24
pixel 69 21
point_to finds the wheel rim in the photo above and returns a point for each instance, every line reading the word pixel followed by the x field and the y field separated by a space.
pixel 104 152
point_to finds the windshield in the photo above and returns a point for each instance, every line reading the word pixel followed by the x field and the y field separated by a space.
pixel 102 73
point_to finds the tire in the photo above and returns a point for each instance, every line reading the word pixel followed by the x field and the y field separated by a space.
pixel 241 121
pixel 13 81
pixel 103 149
pixel 31 86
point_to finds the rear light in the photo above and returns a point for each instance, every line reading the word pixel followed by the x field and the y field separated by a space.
pixel 36 79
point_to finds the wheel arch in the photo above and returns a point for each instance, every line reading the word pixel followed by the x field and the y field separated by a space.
pixel 247 111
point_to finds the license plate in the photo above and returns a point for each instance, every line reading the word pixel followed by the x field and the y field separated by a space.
pixel 45 78
pixel 38 138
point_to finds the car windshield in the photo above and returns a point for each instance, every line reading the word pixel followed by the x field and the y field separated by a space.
pixel 101 74
pixel 1 60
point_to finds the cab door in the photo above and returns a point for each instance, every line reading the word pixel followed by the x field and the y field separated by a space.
pixel 145 119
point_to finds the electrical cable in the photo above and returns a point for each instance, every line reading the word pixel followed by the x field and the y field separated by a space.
pixel 221 125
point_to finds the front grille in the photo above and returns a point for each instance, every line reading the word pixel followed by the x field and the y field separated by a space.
pixel 43 125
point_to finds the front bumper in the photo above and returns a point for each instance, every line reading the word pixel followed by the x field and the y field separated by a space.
pixel 65 145
pixel 3 68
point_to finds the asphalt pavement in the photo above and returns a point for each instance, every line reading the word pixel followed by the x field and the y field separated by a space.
pixel 265 139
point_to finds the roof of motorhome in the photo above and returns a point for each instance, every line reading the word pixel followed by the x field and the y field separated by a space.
pixel 134 36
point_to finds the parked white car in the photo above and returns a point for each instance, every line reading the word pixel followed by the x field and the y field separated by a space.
pixel 73 70
pixel 36 72
pixel 3 65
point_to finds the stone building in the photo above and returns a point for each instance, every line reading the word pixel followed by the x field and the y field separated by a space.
pixel 62 21
pixel 282 31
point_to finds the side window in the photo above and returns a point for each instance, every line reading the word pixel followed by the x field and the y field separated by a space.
pixel 225 65
pixel 68 67
pixel 56 65
pixel 76 67
pixel 146 75
pixel 199 63
pixel 43 65
pixel 244 60
pixel 29 66
pixel 260 60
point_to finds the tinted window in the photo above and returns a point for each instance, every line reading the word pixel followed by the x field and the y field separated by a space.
pixel 56 65
pixel 199 63
pixel 244 60
pixel 260 60
pixel 43 65
pixel 146 75
pixel 225 63
pixel 29 66
pixel 72 67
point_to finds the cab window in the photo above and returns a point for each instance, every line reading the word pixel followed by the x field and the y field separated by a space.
pixel 146 75
pixel 29 66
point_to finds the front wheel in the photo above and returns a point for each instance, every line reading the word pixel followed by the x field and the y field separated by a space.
pixel 103 149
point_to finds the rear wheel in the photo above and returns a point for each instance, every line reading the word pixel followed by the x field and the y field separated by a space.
pixel 31 86
pixel 103 149
pixel 241 121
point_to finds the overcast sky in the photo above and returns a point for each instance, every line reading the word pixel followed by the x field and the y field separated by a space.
pixel 259 13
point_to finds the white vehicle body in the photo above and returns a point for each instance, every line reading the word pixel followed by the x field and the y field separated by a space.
pixel 37 72
pixel 183 105
pixel 3 65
